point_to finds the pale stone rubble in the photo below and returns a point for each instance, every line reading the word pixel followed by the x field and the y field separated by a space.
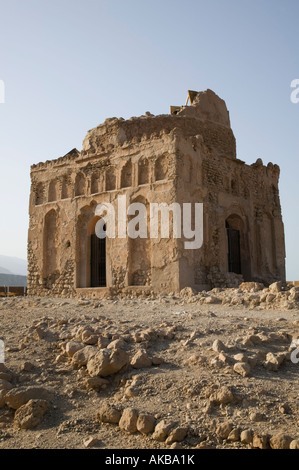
pixel 99 351
pixel 250 294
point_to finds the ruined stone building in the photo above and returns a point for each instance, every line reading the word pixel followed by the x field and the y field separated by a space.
pixel 187 156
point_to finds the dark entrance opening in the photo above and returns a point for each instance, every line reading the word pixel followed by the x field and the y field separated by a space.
pixel 234 250
pixel 97 261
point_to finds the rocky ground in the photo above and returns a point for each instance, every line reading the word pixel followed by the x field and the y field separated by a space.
pixel 212 370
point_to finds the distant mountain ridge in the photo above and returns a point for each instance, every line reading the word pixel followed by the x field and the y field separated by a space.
pixel 13 265
pixel 4 270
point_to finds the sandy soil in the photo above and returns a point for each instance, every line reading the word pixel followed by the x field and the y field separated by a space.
pixel 180 390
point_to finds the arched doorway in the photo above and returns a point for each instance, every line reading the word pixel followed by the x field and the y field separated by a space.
pixel 234 249
pixel 238 252
pixel 92 264
pixel 97 256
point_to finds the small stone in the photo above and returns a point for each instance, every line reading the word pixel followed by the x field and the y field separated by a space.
pixel 39 333
pixel 82 356
pixel 31 414
pixel 95 383
pixel 109 414
pixel 92 442
pixel 117 344
pixel 224 358
pixel 242 368
pixel 275 287
pixel 218 346
pixel 6 376
pixel 27 366
pixel 234 435
pixel 260 441
pixel 145 423
pixel 246 436
pixel 162 430
pixel 294 444
pixel 176 445
pixel 18 397
pixel 128 420
pixel 222 396
pixel 241 357
pixel 72 347
pixel 224 429
pixel 257 417
pixel 141 360
pixel 280 441
pixel 5 385
pixel 103 342
pixel 107 362
pixel 177 435
pixel 157 361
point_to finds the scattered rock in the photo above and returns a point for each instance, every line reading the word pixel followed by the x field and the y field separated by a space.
pixel 128 420
pixel 280 441
pixel 218 346
pixel 107 362
pixel 162 430
pixel 109 414
pixel 242 368
pixel 260 441
pixel 294 444
pixel 276 287
pixel 234 435
pixel 5 385
pixel 246 436
pixel 223 395
pixel 95 383
pixel 257 417
pixel 31 414
pixel 145 423
pixel 82 356
pixel 92 442
pixel 176 435
pixel 18 397
pixel 223 430
pixel 141 360
pixel 72 347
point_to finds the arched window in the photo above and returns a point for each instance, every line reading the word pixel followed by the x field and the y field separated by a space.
pixel 126 175
pixel 143 171
pixel 110 179
pixel 66 188
pixel 50 244
pixel 161 168
pixel 39 194
pixel 94 183
pixel 53 191
pixel 80 185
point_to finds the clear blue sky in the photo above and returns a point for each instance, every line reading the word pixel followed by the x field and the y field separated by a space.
pixel 67 65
